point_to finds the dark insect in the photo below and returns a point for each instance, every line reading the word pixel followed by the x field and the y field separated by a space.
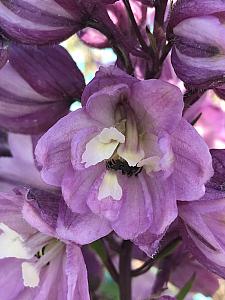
pixel 122 165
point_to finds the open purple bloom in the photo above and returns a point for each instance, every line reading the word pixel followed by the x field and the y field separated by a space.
pixel 203 220
pixel 199 50
pixel 33 262
pixel 127 155
pixel 37 86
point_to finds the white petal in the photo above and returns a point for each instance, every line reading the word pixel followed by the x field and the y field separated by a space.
pixel 110 187
pixel 150 164
pixel 132 157
pixel 102 146
pixel 12 244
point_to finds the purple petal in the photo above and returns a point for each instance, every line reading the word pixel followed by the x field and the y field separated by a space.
pixel 186 9
pixel 132 219
pixel 76 272
pixel 106 77
pixel 76 187
pixel 193 162
pixel 159 103
pixel 101 105
pixel 33 95
pixel 82 229
pixel 11 284
pixel 205 229
pixel 50 71
pixel 11 214
pixel 37 23
pixel 53 149
pixel 41 210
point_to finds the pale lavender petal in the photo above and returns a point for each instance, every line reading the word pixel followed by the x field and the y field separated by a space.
pixel 11 214
pixel 76 187
pixel 132 219
pixel 102 104
pixel 53 149
pixel 82 229
pixel 193 163
pixel 157 103
pixel 76 272
pixel 106 77
pixel 11 284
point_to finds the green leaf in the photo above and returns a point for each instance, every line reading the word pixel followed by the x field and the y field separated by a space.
pixel 99 249
pixel 168 249
pixel 186 288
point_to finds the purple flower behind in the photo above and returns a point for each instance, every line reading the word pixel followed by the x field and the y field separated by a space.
pixel 37 86
pixel 127 155
pixel 198 52
pixel 34 262
pixel 203 220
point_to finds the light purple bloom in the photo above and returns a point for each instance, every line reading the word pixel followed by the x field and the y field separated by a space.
pixel 34 263
pixel 37 86
pixel 127 155
pixel 203 220
pixel 198 53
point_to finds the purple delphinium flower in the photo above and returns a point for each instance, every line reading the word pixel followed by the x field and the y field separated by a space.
pixel 37 86
pixel 184 265
pixel 34 262
pixel 127 155
pixel 203 220
pixel 198 52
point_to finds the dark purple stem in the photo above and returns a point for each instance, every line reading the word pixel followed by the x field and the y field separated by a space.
pixel 125 271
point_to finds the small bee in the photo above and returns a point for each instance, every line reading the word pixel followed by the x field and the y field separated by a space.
pixel 122 165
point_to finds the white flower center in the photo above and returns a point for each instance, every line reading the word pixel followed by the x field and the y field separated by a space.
pixel 38 247
pixel 31 271
pixel 122 148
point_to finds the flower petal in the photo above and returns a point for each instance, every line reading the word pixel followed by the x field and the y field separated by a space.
pixel 76 272
pixel 193 163
pixel 157 104
pixel 54 148
pixel 82 229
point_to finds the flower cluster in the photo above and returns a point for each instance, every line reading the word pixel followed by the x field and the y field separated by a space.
pixel 128 178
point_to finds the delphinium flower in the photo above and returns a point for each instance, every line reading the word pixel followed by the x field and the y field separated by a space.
pixel 127 155
pixel 203 220
pixel 37 86
pixel 197 29
pixel 34 263
pixel 184 266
